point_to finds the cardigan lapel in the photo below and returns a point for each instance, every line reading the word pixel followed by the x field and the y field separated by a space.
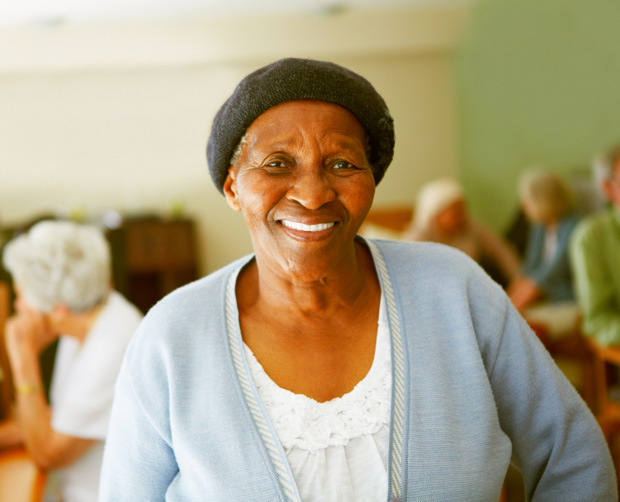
pixel 397 471
pixel 279 465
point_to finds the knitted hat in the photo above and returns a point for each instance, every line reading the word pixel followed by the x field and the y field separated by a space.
pixel 292 79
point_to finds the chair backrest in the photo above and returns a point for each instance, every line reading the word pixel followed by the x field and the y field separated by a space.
pixel 6 387
pixel 605 409
pixel 395 217
pixel 20 479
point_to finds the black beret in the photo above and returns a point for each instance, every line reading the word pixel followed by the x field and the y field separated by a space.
pixel 291 79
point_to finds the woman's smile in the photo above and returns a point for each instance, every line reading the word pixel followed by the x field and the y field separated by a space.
pixel 305 232
pixel 307 228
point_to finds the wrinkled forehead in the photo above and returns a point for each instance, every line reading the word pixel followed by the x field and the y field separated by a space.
pixel 291 123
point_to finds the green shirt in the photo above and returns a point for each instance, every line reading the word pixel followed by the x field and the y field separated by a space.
pixel 595 256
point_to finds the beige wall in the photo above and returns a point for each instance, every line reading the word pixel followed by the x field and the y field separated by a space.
pixel 116 117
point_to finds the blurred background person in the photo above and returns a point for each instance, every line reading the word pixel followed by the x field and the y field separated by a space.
pixel 61 277
pixel 441 216
pixel 595 255
pixel 544 290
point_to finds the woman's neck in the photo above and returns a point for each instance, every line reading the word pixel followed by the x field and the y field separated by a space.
pixel 551 224
pixel 341 287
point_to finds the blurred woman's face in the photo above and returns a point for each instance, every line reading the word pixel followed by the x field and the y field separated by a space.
pixel 531 211
pixel 304 186
pixel 612 186
pixel 452 218
pixel 20 305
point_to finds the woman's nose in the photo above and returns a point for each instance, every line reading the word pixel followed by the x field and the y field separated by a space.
pixel 312 188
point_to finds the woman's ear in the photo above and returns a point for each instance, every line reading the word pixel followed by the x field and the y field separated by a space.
pixel 230 189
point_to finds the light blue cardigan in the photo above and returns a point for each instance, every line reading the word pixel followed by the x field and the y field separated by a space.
pixel 473 389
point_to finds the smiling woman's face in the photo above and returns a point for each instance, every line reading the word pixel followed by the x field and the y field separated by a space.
pixel 304 185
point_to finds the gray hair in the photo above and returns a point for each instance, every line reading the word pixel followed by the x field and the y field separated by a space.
pixel 239 148
pixel 547 192
pixel 60 262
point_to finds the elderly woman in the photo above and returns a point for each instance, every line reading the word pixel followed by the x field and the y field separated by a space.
pixel 544 291
pixel 326 367
pixel 61 274
pixel 441 216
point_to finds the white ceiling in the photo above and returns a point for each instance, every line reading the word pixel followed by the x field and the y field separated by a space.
pixel 52 12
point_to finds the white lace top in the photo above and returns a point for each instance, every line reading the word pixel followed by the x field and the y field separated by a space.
pixel 337 450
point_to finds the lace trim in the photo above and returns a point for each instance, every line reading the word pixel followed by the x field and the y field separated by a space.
pixel 301 422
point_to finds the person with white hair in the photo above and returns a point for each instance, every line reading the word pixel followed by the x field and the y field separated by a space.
pixel 62 279
pixel 595 258
pixel 441 216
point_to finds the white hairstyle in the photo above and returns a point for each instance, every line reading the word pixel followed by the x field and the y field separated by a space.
pixel 60 262
pixel 433 198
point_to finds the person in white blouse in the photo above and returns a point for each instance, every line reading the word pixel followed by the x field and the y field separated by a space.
pixel 61 273
pixel 327 367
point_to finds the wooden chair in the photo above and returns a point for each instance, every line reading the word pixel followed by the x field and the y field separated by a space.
pixel 6 387
pixel 607 411
pixel 395 217
pixel 20 479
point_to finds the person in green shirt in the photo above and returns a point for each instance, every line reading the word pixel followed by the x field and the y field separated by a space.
pixel 595 258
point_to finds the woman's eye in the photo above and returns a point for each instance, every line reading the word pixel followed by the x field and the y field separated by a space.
pixel 343 164
pixel 276 163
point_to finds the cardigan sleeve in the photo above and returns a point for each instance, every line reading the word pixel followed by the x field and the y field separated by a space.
pixel 138 462
pixel 483 391
pixel 557 443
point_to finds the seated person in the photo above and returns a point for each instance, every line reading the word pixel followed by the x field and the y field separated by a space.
pixel 544 291
pixel 61 276
pixel 595 256
pixel 441 216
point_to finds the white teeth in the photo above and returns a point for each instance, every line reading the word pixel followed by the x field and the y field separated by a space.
pixel 307 228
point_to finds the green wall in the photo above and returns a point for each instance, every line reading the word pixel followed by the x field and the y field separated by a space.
pixel 537 83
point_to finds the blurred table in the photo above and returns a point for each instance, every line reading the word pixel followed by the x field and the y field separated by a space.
pixel 20 479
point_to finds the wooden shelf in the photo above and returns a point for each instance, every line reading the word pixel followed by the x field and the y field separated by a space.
pixel 151 257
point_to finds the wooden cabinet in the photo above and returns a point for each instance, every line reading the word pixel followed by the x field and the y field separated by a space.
pixel 151 257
